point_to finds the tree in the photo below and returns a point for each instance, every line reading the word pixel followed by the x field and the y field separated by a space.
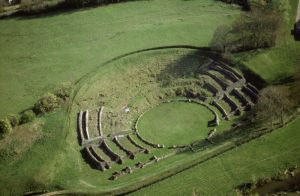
pixel 47 103
pixel 256 29
pixel 27 116
pixel 5 126
pixel 273 103
pixel 281 7
pixel 64 91
pixel 14 119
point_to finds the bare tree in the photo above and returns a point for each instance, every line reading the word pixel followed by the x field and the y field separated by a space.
pixel 274 103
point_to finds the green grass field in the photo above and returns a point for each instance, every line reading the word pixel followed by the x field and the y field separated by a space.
pixel 39 53
pixel 261 158
pixel 175 123
pixel 258 159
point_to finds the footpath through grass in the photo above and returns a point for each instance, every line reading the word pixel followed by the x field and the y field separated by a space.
pixel 38 53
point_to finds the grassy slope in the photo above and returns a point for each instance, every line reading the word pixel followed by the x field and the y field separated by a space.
pixel 158 125
pixel 263 157
pixel 279 62
pixel 38 165
pixel 220 176
pixel 38 53
pixel 114 75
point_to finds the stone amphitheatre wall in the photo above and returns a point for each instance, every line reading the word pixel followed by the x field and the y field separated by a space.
pixel 94 160
pixel 214 84
pixel 128 152
pixel 114 156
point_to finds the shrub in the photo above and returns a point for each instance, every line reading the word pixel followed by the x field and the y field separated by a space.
pixel 280 7
pixel 274 103
pixel 5 126
pixel 27 116
pixel 14 119
pixel 47 103
pixel 64 91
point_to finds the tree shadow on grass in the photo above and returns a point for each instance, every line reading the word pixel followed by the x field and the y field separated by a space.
pixel 63 7
pixel 188 66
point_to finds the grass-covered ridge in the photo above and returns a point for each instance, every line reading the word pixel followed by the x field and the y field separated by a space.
pixel 141 81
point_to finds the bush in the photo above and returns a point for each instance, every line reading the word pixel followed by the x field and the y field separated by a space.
pixel 14 119
pixel 5 126
pixel 46 104
pixel 64 91
pixel 274 103
pixel 279 7
pixel 27 116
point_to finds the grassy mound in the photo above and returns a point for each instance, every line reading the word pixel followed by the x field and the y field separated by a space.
pixel 139 82
pixel 175 123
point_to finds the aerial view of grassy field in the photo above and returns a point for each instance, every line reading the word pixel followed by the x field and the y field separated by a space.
pixel 191 118
pixel 159 97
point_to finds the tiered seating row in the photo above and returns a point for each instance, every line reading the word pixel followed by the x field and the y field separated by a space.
pixel 83 126
pixel 219 107
pixel 225 72
pixel 250 93
pixel 95 159
pixel 114 156
pixel 136 144
pixel 211 88
pixel 225 66
pixel 234 107
pixel 86 124
pixel 218 80
pixel 253 88
pixel 128 152
pixel 239 95
pixel 100 121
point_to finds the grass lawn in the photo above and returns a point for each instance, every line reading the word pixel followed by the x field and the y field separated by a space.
pixel 35 168
pixel 36 54
pixel 39 53
pixel 261 158
pixel 175 123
